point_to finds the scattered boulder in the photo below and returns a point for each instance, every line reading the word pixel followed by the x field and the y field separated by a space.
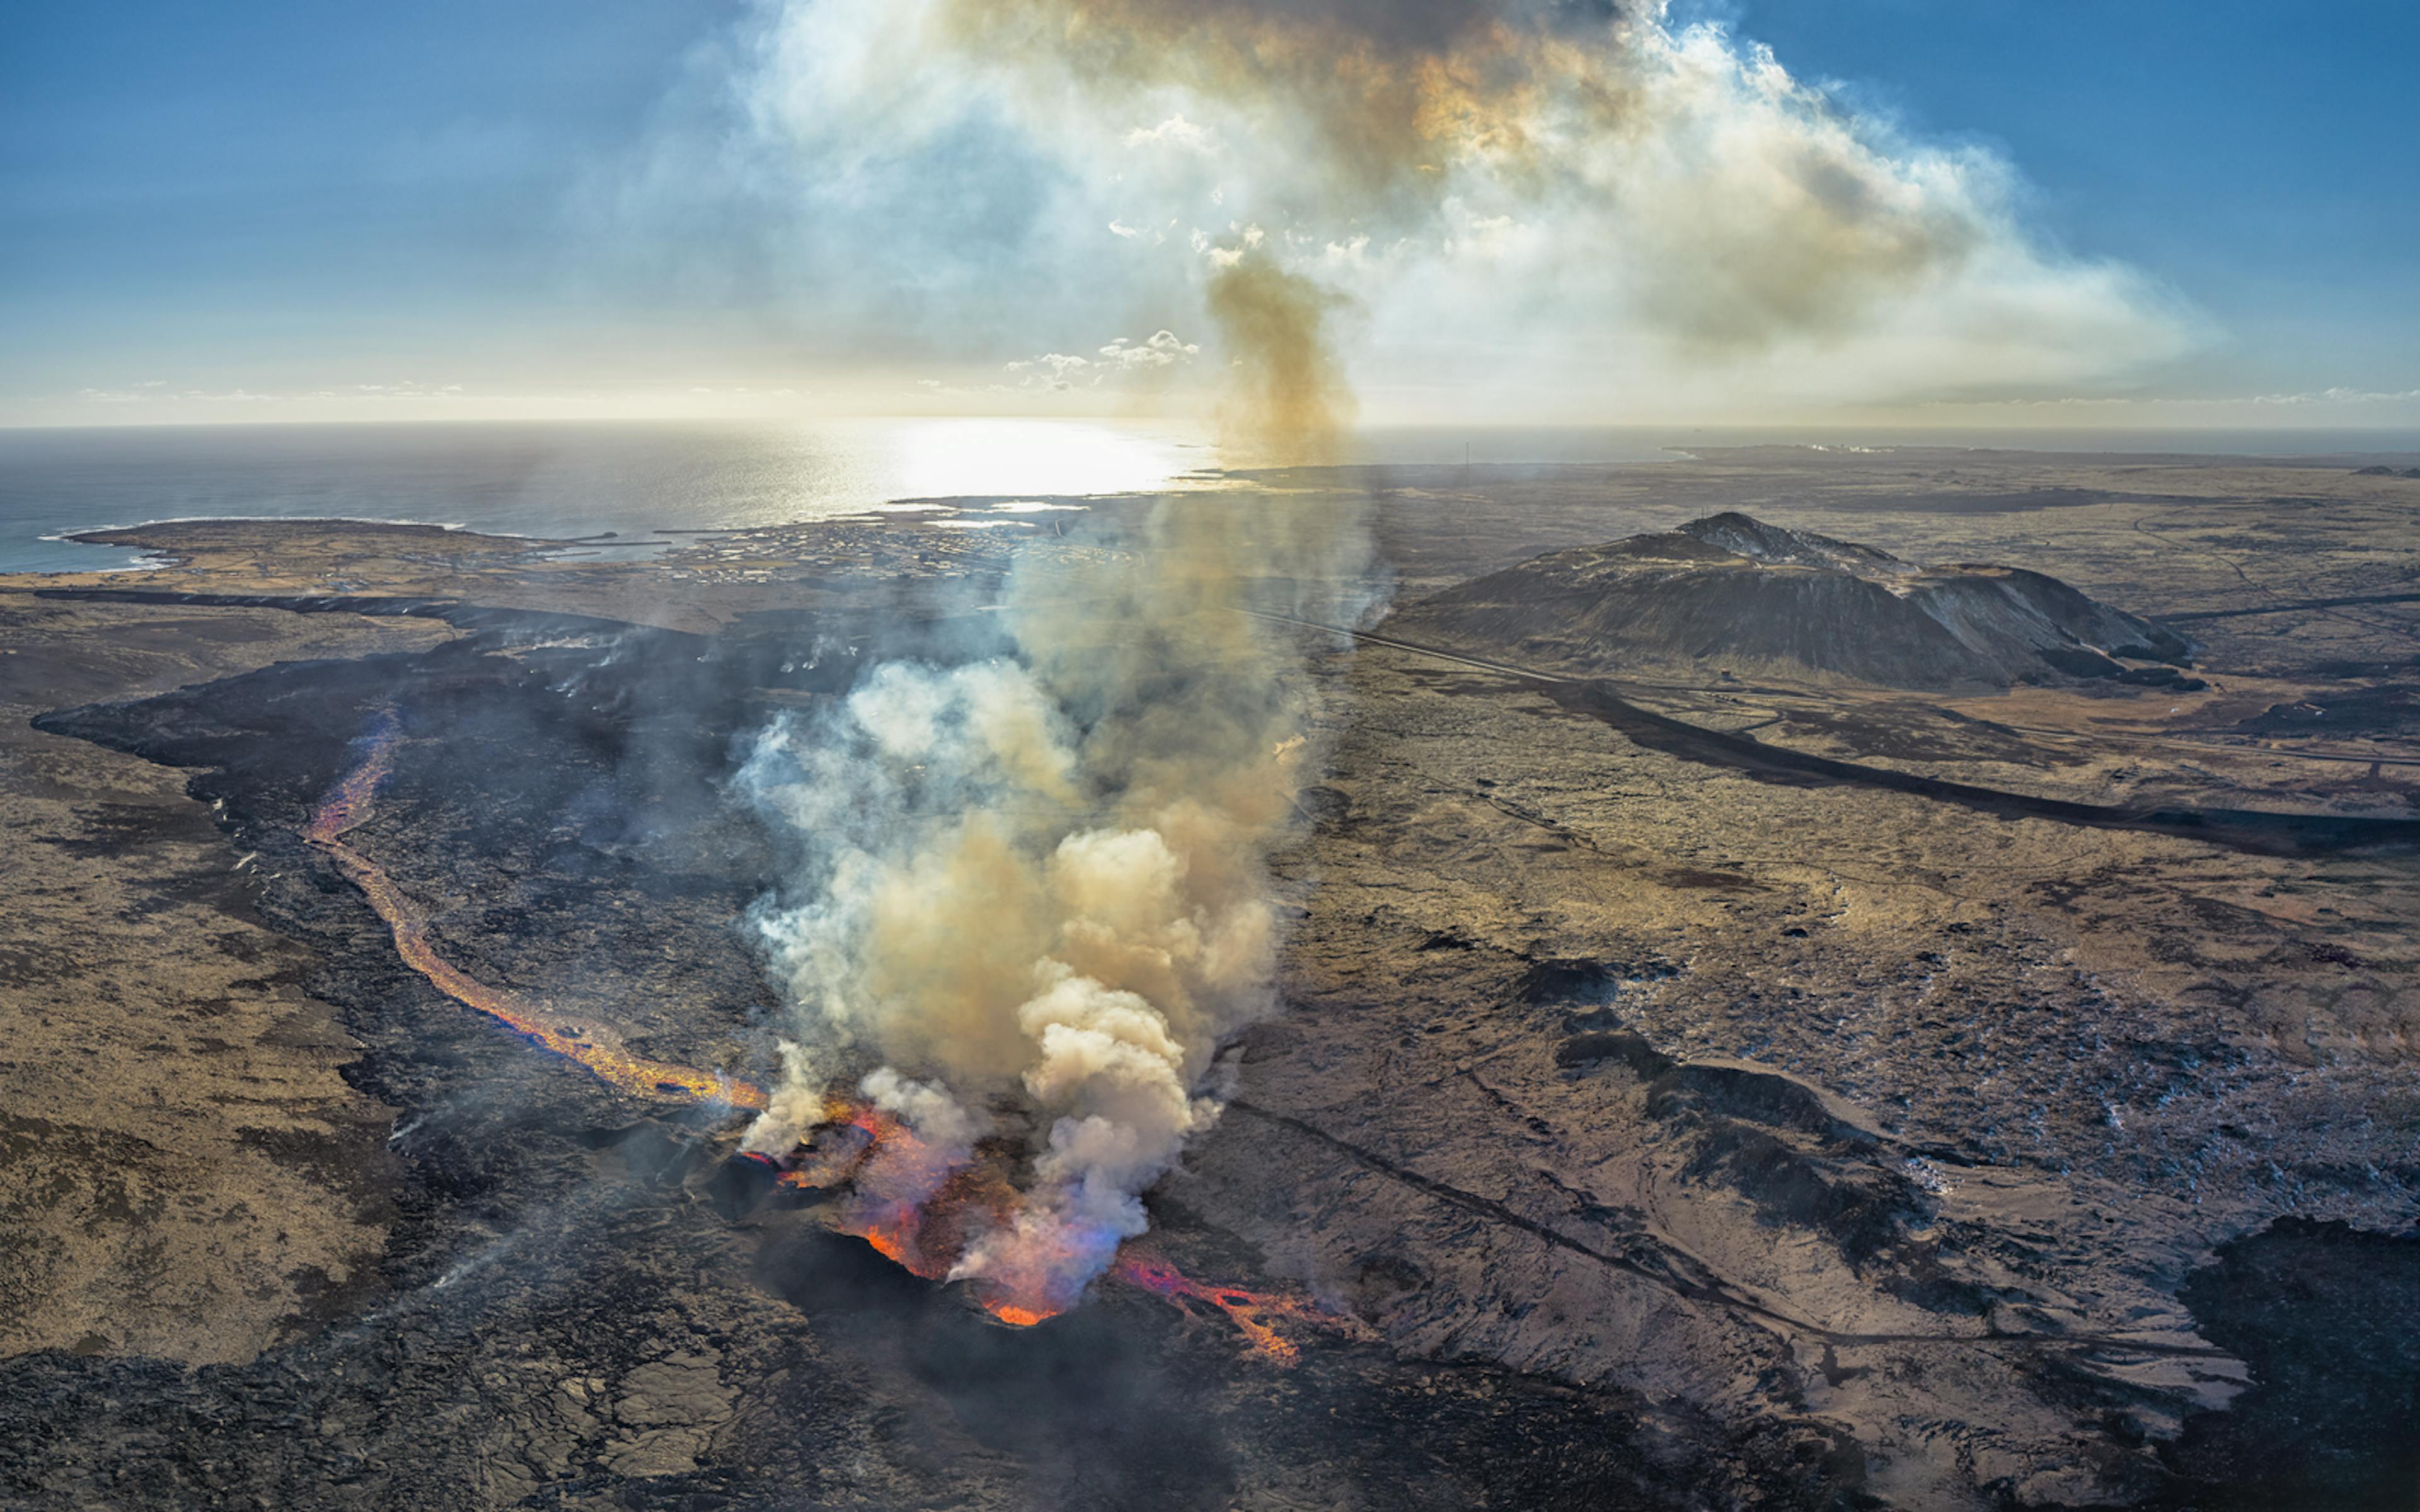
pixel 1586 1051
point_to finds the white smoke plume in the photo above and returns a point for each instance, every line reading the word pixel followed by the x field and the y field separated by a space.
pixel 794 1106
pixel 1572 209
pixel 1042 877
pixel 905 1177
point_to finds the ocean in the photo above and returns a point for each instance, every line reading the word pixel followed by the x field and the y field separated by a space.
pixel 564 480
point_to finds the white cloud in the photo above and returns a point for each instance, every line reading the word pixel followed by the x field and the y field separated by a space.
pixel 1162 350
pixel 1600 219
pixel 1177 132
pixel 2340 396
pixel 1116 360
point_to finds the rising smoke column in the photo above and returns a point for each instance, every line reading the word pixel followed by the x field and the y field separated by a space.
pixel 1044 875
pixel 1581 210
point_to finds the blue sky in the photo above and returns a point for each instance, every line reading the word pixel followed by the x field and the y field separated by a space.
pixel 2263 158
pixel 271 194
pixel 286 198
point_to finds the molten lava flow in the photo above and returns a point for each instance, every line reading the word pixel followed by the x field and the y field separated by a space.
pixel 593 1046
pixel 917 1210
pixel 348 804
pixel 1254 1313
pixel 863 1149
pixel 910 1202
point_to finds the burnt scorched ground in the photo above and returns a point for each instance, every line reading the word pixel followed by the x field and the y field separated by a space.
pixel 1686 1136
pixel 579 1304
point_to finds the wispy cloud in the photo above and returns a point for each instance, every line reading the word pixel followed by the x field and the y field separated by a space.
pixel 158 392
pixel 2340 396
pixel 1119 358
pixel 1175 132
pixel 2342 405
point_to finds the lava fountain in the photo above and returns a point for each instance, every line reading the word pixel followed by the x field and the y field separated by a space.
pixel 929 1240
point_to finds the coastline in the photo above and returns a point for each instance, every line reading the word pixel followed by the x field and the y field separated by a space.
pixel 1586 949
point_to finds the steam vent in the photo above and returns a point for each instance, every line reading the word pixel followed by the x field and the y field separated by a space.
pixel 1241 756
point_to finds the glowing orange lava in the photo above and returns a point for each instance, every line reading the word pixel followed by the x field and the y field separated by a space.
pixel 593 1046
pixel 929 1239
pixel 915 1207
pixel 1255 1314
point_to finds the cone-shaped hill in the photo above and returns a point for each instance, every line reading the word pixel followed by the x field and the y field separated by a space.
pixel 1732 593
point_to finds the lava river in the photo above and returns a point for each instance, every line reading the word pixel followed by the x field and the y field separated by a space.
pixel 859 1150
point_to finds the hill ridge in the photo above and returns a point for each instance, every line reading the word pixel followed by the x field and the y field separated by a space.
pixel 1729 591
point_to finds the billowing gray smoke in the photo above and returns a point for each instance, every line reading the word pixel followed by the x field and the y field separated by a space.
pixel 1516 207
pixel 1044 874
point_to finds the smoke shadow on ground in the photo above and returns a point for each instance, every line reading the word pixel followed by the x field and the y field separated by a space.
pixel 1086 1401
pixel 558 795
pixel 2322 1313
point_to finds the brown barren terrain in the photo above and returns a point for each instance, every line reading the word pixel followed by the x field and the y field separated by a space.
pixel 1702 1084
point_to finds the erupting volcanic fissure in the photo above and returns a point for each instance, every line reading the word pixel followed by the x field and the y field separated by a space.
pixel 920 1204
pixel 1026 896
pixel 919 1208
pixel 929 1240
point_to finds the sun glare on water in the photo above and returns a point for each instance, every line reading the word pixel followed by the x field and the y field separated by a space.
pixel 953 459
